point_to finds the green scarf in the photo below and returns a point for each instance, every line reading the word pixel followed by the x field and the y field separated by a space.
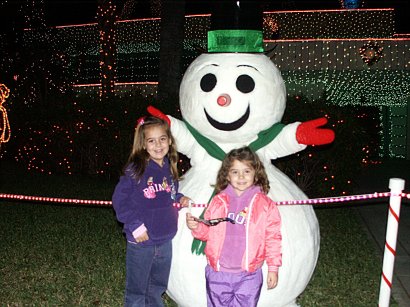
pixel 264 138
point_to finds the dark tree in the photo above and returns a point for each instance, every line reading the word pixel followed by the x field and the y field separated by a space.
pixel 171 48
pixel 106 23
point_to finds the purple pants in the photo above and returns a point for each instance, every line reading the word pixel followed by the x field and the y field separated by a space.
pixel 232 289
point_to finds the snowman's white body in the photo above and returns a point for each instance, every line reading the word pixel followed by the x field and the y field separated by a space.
pixel 248 112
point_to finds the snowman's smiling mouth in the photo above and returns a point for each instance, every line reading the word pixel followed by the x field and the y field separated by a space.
pixel 229 126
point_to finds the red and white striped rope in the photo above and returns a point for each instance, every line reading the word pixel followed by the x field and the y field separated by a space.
pixel 55 200
pixel 312 201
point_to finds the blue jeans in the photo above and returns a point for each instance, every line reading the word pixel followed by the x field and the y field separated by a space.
pixel 147 273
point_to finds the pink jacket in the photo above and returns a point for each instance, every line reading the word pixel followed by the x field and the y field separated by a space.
pixel 263 236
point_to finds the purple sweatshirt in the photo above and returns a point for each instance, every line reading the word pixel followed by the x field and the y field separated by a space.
pixel 234 245
pixel 147 203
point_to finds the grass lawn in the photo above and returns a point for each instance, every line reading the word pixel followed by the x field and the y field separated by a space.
pixel 60 255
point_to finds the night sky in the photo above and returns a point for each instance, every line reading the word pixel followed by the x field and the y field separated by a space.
pixel 63 12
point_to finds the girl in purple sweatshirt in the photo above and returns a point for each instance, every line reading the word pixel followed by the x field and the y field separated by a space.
pixel 236 250
pixel 143 201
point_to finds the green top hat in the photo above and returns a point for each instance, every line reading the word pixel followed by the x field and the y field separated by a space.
pixel 236 26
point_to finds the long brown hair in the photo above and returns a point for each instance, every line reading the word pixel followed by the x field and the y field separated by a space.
pixel 244 155
pixel 139 157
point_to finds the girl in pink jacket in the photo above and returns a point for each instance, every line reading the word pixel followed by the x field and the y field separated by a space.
pixel 237 249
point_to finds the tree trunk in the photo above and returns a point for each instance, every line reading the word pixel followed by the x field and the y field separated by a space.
pixel 106 24
pixel 171 48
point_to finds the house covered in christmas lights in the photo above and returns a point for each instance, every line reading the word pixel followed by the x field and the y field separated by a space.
pixel 348 57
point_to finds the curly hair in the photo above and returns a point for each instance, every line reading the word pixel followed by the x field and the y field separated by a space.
pixel 245 155
pixel 139 157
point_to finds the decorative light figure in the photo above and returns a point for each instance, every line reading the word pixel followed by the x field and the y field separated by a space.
pixel 5 128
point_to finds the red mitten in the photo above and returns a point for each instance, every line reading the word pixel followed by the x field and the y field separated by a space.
pixel 157 113
pixel 309 133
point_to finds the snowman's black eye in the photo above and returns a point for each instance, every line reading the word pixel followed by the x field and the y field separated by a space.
pixel 208 82
pixel 245 84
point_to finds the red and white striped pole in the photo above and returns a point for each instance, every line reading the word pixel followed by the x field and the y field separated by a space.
pixel 396 186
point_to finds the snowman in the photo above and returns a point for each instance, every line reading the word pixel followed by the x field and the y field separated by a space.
pixel 228 100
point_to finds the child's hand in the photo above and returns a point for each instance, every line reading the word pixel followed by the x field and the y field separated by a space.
pixel 190 222
pixel 272 280
pixel 142 238
pixel 184 201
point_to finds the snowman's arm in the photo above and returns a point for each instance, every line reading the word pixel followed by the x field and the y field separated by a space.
pixel 184 140
pixel 284 144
